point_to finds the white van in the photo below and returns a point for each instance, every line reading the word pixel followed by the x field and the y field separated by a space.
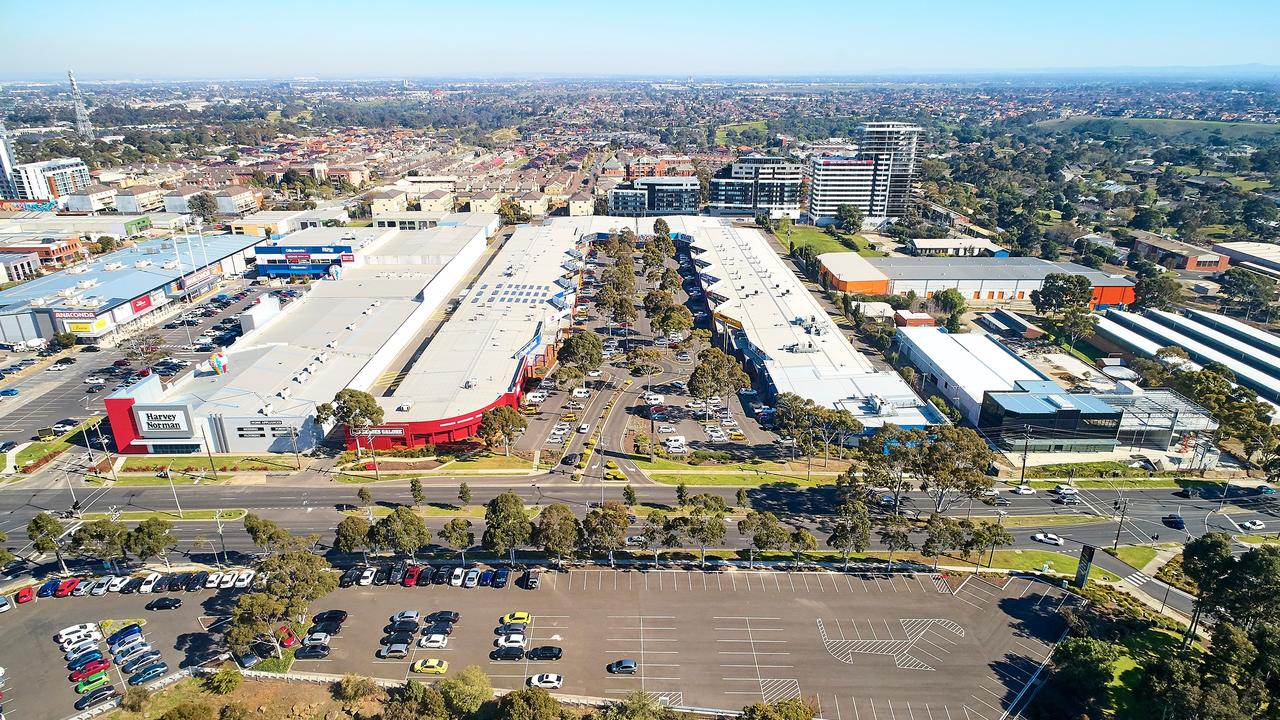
pixel 581 393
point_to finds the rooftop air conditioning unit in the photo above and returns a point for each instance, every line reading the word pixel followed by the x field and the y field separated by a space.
pixel 331 344
pixel 266 409
pixel 405 406
pixel 351 326
pixel 322 357
pixel 284 394
pixel 142 264
pixel 86 284
pixel 170 265
pixel 78 269
pixel 112 266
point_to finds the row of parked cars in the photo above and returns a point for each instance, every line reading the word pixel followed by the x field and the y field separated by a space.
pixel 125 584
pixel 423 575
pixel 404 626
pixel 90 668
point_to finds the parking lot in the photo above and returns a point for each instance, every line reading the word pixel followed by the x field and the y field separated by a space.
pixel 879 646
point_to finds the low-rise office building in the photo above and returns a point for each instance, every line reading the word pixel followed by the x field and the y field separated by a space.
pixel 17 266
pixel 955 247
pixel 981 281
pixel 178 200
pixel 237 200
pixel 1176 254
pixel 140 199
pixel 94 198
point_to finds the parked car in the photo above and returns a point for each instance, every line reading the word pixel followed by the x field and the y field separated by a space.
pixel 621 667
pixel 547 681
pixel 140 660
pixel 150 672
pixel 545 652
pixel 95 698
pixel 500 577
pixel 165 603
pixel 471 579
pixel 507 653
pixel 312 652
pixel 433 641
pixel 350 577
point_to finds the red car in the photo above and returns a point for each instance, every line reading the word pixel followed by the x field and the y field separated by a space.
pixel 96 666
pixel 121 363
pixel 25 595
pixel 66 587
pixel 287 637
pixel 411 576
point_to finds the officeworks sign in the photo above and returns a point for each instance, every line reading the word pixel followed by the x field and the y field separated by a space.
pixel 163 421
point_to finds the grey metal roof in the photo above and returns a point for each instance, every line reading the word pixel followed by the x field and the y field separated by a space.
pixel 980 268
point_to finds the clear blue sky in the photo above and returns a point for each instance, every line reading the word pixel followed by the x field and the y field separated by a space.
pixel 415 38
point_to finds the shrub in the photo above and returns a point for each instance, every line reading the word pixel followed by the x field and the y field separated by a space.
pixel 354 687
pixel 464 693
pixel 190 710
pixel 712 455
pixel 233 711
pixel 135 698
pixel 224 681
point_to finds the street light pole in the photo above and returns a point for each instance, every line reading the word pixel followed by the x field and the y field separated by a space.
pixel 217 516
pixel 1124 509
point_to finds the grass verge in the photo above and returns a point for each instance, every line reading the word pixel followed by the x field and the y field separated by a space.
pixel 277 665
pixel 1136 556
pixel 488 462
pixel 753 479
pixel 1025 521
pixel 200 463
pixel 1138 650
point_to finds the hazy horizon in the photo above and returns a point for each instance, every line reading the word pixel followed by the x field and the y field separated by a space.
pixel 662 39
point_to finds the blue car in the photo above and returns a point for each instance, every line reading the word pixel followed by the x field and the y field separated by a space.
pixel 142 660
pixel 83 659
pixel 500 577
pixel 9 392
pixel 486 578
pixel 149 672
pixel 124 632
pixel 1266 490
pixel 48 588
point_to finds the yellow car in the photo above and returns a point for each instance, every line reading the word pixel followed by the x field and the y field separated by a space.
pixel 615 475
pixel 735 435
pixel 519 617
pixel 611 465
pixel 431 666
pixel 569 417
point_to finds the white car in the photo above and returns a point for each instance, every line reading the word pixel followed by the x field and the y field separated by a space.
pixel 74 640
pixel 713 400
pixel 149 585
pixel 245 577
pixel 1253 525
pixel 584 428
pixel 119 582
pixel 80 629
pixel 1024 490
pixel 547 681
pixel 316 638
pixel 215 579
pixel 595 373
pixel 1065 489
pixel 366 577
pixel 1047 538
pixel 990 492
pixel 459 574
pixel 635 540
pixel 511 640
pixel 433 642
pixel 411 615
pixel 228 580
pixel 561 427
pixel 666 429
pixel 80 648
pixel 653 399
pixel 102 586
pixel 93 380
pixel 696 405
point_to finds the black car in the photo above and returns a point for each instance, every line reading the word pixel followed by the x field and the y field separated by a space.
pixel 382 576
pixel 398 639
pixel 500 577
pixel 196 581
pixel 312 652
pixel 165 603
pixel 507 653
pixel 178 581
pixel 1174 521
pixel 350 576
pixel 132 586
pixel 546 652
pixel 442 575
pixel 402 626
pixel 65 361
pixel 90 348
pixel 330 616
pixel 329 627
pixel 397 575
pixel 440 628
pixel 171 326
pixel 96 697
pixel 442 616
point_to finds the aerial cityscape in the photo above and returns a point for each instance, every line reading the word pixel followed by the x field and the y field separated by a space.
pixel 807 362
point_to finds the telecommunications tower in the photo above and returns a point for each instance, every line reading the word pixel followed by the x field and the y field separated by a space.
pixel 83 127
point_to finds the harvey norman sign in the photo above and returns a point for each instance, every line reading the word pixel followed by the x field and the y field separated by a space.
pixel 162 421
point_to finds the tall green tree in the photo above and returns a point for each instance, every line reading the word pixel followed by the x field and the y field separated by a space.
pixel 507 527
pixel 416 491
pixel 352 535
pixel 849 217
pixel 501 424
pixel 704 523
pixel 402 530
pixel 850 529
pixel 355 409
pixel 895 535
pixel 954 463
pixel 296 576
pixel 457 534
pixel 582 350
pixel 604 530
pixel 150 538
pixel 102 539
pixel 204 206
pixel 44 532
pixel 765 532
pixel 464 494
pixel 266 534
pixel 558 531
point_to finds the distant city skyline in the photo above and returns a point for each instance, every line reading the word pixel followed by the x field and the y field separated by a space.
pixel 142 39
